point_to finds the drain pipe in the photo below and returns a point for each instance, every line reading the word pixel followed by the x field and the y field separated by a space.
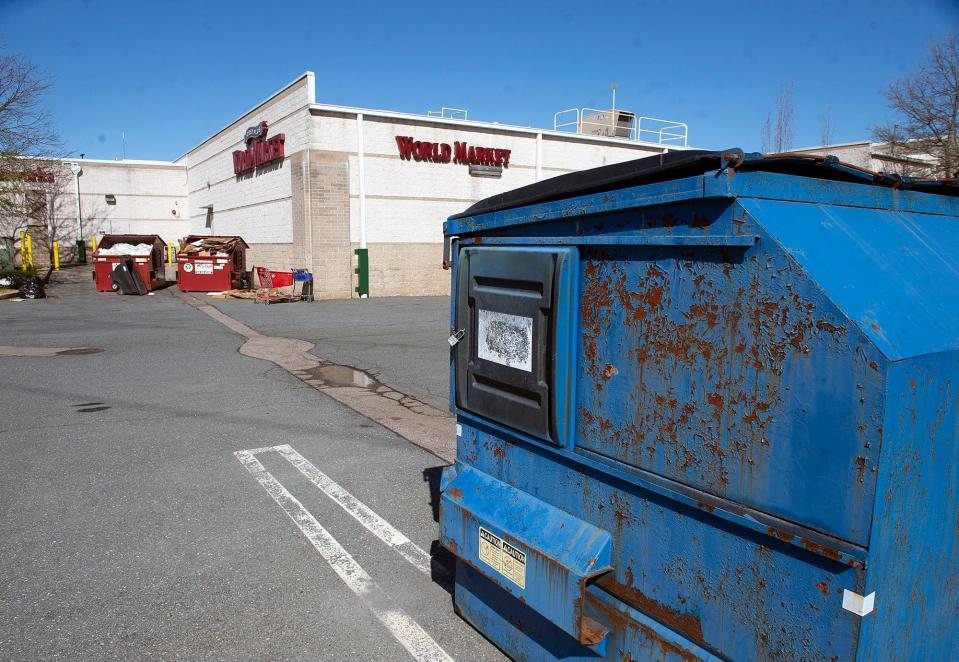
pixel 539 156
pixel 362 254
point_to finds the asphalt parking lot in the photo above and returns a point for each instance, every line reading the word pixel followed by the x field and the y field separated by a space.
pixel 136 526
pixel 400 341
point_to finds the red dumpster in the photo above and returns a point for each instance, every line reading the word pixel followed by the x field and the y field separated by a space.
pixel 210 264
pixel 146 251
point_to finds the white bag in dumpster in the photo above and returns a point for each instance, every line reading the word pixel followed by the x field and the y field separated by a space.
pixel 127 249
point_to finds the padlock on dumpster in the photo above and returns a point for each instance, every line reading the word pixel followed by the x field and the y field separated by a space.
pixel 706 408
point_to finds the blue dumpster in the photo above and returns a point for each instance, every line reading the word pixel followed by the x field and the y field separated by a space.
pixel 707 409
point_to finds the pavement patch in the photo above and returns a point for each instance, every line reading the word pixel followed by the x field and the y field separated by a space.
pixel 43 352
pixel 417 422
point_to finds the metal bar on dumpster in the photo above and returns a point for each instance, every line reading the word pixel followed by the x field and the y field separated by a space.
pixel 743 241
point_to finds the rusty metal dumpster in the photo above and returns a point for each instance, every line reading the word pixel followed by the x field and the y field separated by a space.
pixel 707 409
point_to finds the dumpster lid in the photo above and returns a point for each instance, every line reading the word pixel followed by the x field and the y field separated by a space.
pixel 689 163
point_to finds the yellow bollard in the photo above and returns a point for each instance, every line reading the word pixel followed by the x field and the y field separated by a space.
pixel 93 244
pixel 169 254
pixel 30 249
pixel 23 250
pixel 56 256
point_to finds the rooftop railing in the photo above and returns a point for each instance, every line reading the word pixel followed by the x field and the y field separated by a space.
pixel 448 113
pixel 622 124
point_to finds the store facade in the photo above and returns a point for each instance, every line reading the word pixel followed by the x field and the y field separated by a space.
pixel 306 184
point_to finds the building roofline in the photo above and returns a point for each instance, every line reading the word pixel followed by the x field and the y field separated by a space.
pixel 353 110
pixel 852 144
pixel 140 162
pixel 311 97
pixel 496 126
pixel 106 162
pixel 905 158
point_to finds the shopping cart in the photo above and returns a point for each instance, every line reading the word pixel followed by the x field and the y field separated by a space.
pixel 305 279
pixel 270 283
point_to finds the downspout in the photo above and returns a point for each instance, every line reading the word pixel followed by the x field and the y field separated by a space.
pixel 361 163
pixel 362 254
pixel 539 156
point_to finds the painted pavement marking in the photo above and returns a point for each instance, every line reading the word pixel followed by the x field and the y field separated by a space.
pixel 407 631
pixel 375 524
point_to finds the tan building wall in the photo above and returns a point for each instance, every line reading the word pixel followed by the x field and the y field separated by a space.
pixel 329 212
pixel 402 269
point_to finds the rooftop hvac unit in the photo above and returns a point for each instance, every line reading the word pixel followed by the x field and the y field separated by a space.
pixel 609 123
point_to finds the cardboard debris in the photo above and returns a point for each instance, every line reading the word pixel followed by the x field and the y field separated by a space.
pixel 210 246
pixel 242 294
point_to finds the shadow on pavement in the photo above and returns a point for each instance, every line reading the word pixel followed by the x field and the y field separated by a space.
pixel 442 561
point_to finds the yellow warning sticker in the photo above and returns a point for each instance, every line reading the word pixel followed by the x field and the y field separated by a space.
pixel 502 557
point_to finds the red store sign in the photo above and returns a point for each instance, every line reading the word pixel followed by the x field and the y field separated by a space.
pixel 460 152
pixel 259 149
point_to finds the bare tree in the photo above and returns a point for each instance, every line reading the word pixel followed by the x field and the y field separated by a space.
pixel 784 118
pixel 778 136
pixel 768 133
pixel 825 128
pixel 27 141
pixel 25 127
pixel 925 139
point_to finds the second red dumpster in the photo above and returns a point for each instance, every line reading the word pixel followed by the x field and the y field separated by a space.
pixel 210 264
pixel 146 251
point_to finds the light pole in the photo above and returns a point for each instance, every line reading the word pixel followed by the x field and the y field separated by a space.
pixel 77 171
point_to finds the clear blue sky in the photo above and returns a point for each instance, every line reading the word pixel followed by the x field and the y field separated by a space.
pixel 171 73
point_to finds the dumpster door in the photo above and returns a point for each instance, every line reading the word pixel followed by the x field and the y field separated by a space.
pixel 507 368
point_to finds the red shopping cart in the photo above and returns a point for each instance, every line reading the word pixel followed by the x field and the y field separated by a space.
pixel 270 283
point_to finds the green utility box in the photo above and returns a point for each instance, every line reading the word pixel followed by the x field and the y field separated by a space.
pixel 362 271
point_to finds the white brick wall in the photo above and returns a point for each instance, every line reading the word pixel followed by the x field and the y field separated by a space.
pixel 258 205
pixel 147 195
pixel 408 200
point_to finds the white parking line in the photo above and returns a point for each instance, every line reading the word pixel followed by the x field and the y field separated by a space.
pixel 407 631
pixel 375 524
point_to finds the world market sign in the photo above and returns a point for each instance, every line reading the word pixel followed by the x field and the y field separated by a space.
pixel 260 150
pixel 459 152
